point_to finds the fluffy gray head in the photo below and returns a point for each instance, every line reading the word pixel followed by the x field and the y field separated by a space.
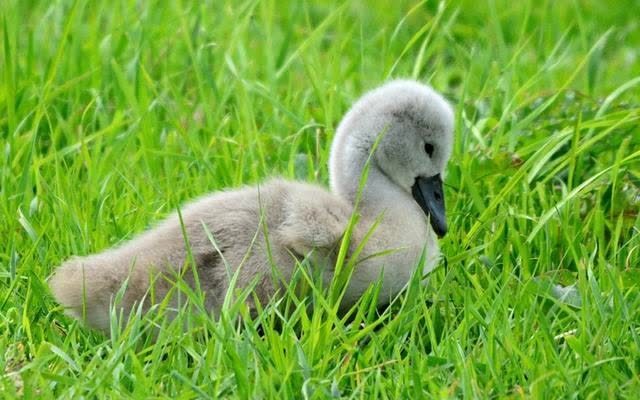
pixel 415 126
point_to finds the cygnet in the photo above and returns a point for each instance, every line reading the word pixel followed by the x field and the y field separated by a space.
pixel 402 130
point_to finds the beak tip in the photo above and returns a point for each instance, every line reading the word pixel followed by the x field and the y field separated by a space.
pixel 440 231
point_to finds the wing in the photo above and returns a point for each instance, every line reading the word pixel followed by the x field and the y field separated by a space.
pixel 314 219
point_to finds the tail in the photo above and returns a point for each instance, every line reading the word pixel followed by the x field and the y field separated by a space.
pixel 87 286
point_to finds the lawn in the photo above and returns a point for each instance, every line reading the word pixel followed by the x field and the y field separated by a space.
pixel 112 114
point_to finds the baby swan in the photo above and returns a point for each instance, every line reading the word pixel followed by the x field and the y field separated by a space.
pixel 249 230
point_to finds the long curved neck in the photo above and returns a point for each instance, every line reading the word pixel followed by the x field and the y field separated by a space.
pixel 379 193
pixel 404 223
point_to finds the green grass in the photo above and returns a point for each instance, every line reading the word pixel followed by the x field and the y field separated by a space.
pixel 114 113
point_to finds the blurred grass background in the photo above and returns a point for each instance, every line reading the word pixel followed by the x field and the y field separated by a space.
pixel 114 113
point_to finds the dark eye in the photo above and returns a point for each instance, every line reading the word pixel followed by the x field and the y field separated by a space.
pixel 428 148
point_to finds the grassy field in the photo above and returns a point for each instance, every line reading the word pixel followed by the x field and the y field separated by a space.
pixel 114 113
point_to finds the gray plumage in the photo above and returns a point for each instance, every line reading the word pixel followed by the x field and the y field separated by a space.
pixel 226 230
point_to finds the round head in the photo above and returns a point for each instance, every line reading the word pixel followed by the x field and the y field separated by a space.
pixel 411 127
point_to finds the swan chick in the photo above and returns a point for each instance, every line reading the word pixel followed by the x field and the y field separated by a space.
pixel 402 130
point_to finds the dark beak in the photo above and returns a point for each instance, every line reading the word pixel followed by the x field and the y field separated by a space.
pixel 428 194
